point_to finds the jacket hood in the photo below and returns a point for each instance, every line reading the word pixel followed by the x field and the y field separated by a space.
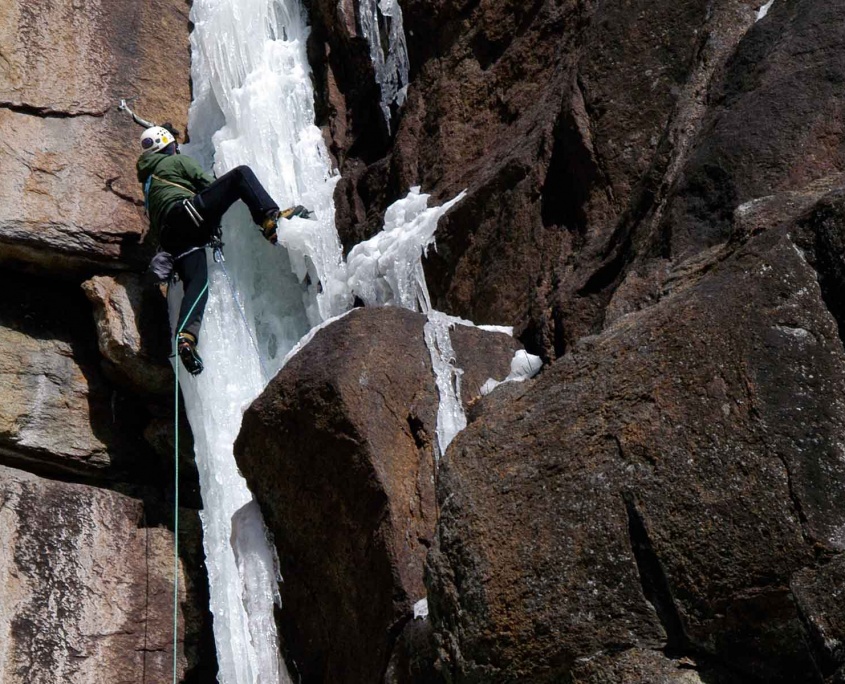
pixel 147 164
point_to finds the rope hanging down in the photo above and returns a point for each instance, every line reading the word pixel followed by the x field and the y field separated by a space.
pixel 176 487
pixel 176 519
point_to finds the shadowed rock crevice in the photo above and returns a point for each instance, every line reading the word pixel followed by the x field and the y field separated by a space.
pixel 653 579
pixel 46 112
pixel 821 238
pixel 571 177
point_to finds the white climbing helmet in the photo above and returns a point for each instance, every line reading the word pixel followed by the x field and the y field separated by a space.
pixel 156 139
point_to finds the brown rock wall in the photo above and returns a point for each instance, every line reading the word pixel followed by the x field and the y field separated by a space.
pixel 67 165
pixel 774 123
pixel 88 589
pixel 59 410
pixel 566 122
pixel 88 593
pixel 339 452
pixel 661 486
pixel 132 331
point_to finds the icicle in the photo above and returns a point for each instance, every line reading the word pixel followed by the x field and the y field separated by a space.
pixel 451 418
pixel 391 69
pixel 258 568
pixel 387 268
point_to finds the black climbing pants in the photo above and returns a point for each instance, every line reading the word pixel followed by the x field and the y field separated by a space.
pixel 193 271
pixel 181 233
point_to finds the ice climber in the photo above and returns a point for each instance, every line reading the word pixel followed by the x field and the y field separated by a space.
pixel 185 205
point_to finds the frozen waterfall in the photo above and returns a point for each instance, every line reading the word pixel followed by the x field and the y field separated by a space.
pixel 253 105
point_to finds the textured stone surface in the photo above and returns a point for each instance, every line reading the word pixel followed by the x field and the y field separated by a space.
pixel 775 122
pixel 659 487
pixel 58 408
pixel 45 401
pixel 87 595
pixel 566 122
pixel 88 586
pixel 338 450
pixel 132 331
pixel 67 161
pixel 637 666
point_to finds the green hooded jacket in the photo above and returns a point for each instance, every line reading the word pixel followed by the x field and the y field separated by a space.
pixel 165 170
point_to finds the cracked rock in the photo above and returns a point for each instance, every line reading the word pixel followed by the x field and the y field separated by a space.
pixel 338 451
pixel 537 562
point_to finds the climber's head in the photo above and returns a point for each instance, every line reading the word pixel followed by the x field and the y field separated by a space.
pixel 156 139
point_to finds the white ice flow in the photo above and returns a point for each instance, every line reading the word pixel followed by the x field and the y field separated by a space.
pixel 764 10
pixel 391 69
pixel 386 270
pixel 254 105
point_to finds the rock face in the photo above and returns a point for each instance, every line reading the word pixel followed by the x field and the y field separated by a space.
pixel 672 483
pixel 87 595
pixel 65 548
pixel 592 139
pixel 68 157
pixel 58 408
pixel 654 199
pixel 133 330
pixel 339 452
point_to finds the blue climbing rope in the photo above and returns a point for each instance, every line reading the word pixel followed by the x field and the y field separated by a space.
pixel 218 258
pixel 176 486
pixel 176 517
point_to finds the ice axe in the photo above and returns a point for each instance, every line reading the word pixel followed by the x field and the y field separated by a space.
pixel 123 107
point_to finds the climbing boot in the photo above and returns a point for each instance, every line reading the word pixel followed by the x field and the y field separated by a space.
pixel 186 346
pixel 271 223
pixel 268 227
pixel 298 210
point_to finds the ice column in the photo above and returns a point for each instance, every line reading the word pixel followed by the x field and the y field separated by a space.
pixel 391 69
pixel 451 418
pixel 253 104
